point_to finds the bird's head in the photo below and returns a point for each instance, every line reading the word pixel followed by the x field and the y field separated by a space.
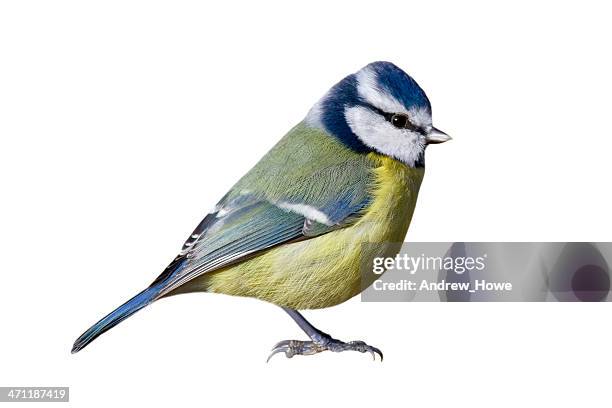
pixel 380 108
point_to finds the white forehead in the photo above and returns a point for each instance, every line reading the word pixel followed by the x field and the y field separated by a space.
pixel 369 90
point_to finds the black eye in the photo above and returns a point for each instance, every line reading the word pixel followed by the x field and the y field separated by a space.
pixel 399 120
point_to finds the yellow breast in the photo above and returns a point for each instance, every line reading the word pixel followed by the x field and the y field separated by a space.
pixel 325 271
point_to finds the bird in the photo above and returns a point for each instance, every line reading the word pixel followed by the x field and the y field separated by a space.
pixel 341 186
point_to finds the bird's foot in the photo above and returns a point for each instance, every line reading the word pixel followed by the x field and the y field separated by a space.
pixel 306 348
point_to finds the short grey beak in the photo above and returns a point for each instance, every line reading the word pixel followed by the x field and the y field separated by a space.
pixel 436 136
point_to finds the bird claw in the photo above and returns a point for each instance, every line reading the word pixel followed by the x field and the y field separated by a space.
pixel 306 348
pixel 296 347
pixel 362 347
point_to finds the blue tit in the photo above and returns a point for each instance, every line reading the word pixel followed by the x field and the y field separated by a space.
pixel 291 231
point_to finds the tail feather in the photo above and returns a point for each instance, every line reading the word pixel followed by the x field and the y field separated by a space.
pixel 124 311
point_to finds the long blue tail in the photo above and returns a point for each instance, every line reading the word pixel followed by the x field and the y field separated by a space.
pixel 115 317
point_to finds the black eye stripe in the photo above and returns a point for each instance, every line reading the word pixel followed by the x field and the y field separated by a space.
pixel 389 117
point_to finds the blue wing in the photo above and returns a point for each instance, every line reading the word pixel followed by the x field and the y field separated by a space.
pixel 242 227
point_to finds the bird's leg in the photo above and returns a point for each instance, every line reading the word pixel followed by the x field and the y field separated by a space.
pixel 319 341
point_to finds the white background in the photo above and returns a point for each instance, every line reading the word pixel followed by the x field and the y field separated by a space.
pixel 122 123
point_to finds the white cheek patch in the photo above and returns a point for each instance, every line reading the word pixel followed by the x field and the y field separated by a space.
pixel 374 131
pixel 368 89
